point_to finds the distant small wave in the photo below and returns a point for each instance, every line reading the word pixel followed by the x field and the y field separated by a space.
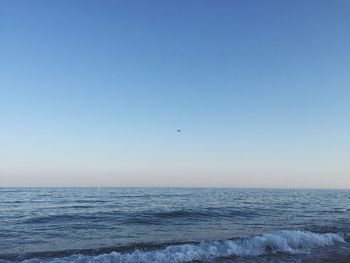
pixel 142 217
pixel 288 242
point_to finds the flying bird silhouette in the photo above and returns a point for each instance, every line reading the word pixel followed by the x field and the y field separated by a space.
pixel 178 130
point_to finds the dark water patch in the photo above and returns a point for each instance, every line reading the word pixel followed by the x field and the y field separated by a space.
pixel 183 213
pixel 186 215
pixel 13 202
pixel 84 201
pixel 243 213
pixel 96 216
pixel 75 206
pixel 57 218
pixel 207 213
pixel 143 220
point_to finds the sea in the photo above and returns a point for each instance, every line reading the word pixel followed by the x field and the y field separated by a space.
pixel 103 224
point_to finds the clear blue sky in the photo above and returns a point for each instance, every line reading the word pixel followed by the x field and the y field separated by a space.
pixel 92 93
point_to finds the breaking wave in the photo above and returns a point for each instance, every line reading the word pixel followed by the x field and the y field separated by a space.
pixel 287 241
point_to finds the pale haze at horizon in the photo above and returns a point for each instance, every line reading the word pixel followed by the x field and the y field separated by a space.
pixel 92 93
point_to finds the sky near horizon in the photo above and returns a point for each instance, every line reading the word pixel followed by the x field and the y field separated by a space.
pixel 92 93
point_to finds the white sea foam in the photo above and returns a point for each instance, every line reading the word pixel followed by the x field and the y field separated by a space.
pixel 290 242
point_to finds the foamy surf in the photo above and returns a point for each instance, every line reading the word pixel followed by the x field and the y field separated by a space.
pixel 287 242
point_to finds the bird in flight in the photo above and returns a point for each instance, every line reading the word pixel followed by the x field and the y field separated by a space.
pixel 178 130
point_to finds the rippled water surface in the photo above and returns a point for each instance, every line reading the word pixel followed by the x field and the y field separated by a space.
pixel 174 225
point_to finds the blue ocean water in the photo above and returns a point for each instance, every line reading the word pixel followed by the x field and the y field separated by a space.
pixel 174 225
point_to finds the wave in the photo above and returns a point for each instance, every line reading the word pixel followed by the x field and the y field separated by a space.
pixel 286 241
pixel 208 213
pixel 143 217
